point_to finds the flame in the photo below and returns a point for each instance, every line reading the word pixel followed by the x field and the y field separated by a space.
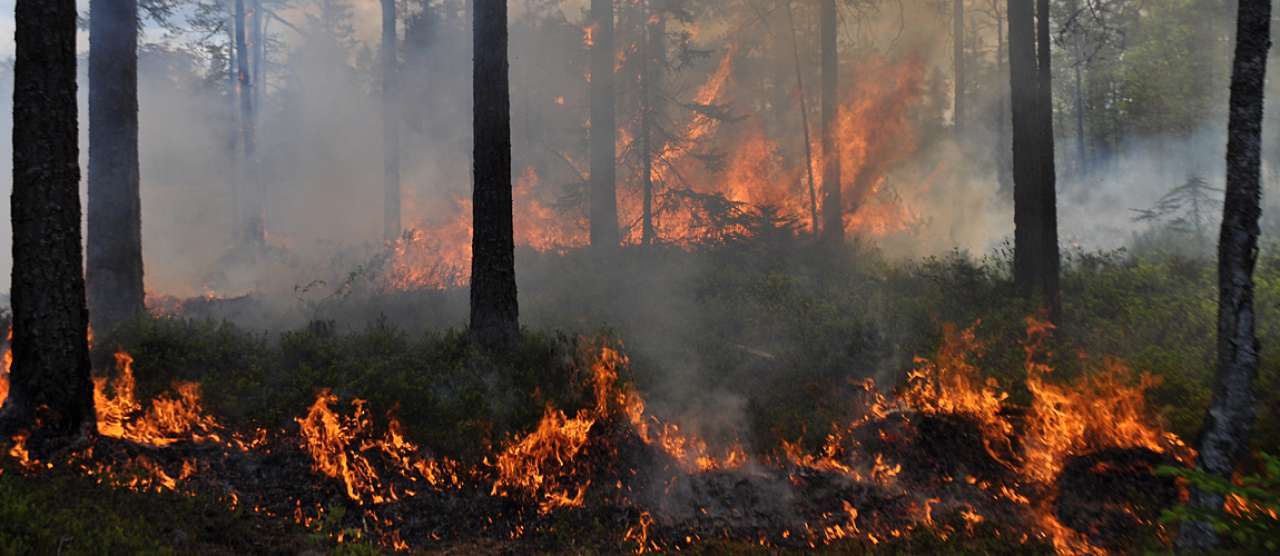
pixel 342 447
pixel 167 420
pixel 696 202
pixel 6 364
pixel 541 464
pixel 1102 409
pixel 548 466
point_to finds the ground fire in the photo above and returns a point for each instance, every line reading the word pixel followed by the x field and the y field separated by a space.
pixel 946 451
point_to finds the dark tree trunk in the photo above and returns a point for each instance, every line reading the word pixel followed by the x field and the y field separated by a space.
pixel 114 249
pixel 832 206
pixel 250 215
pixel 1035 240
pixel 494 312
pixel 957 32
pixel 603 197
pixel 390 124
pixel 49 384
pixel 1049 265
pixel 1023 89
pixel 1225 436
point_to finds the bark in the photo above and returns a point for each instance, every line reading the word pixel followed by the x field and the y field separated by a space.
pixel 603 197
pixel 832 206
pixel 114 248
pixel 1225 435
pixel 49 383
pixel 390 124
pixel 494 311
pixel 1023 89
pixel 957 32
pixel 1049 279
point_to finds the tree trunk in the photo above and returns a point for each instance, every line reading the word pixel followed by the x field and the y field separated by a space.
pixel 1023 92
pixel 832 206
pixel 1225 435
pixel 233 122
pixel 251 230
pixel 390 124
pixel 258 46
pixel 494 311
pixel 49 383
pixel 603 196
pixel 1049 278
pixel 114 248
pixel 957 32
pixel 651 62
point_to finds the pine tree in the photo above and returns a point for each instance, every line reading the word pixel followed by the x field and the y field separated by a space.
pixel 114 247
pixel 390 123
pixel 603 196
pixel 494 309
pixel 49 381
pixel 1225 436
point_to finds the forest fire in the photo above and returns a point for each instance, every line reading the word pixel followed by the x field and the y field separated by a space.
pixel 759 181
pixel 423 230
pixel 946 452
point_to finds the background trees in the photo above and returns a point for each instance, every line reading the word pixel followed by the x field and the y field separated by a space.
pixel 114 248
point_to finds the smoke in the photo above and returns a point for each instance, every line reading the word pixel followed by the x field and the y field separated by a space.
pixel 320 143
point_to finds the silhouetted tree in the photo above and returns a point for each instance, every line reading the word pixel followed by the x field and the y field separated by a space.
pixel 1225 435
pixel 832 207
pixel 390 123
pixel 603 195
pixel 494 310
pixel 1035 222
pixel 1050 262
pixel 49 381
pixel 114 247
